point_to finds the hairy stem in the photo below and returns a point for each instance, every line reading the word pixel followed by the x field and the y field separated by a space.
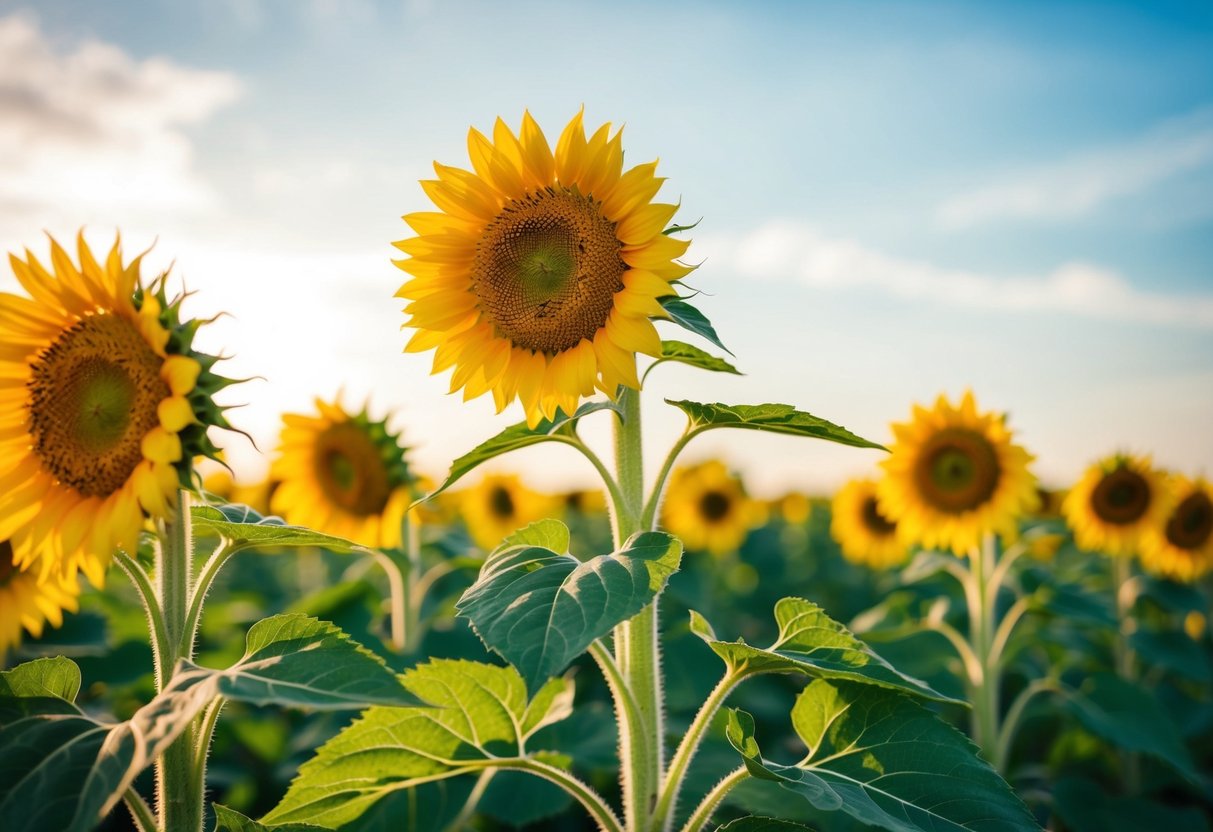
pixel 586 796
pixel 155 617
pixel 703 812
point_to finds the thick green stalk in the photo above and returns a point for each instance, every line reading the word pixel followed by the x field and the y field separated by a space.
pixel 981 633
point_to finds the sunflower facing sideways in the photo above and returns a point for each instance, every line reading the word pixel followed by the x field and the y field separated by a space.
pixel 954 476
pixel 1182 547
pixel 538 276
pixel 1117 500
pixel 706 507
pixel 342 474
pixel 103 406
pixel 863 533
pixel 500 505
pixel 29 604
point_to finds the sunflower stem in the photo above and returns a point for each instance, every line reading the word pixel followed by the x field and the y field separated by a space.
pixel 982 633
pixel 1122 586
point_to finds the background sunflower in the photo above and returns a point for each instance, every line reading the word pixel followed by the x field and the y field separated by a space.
pixel 863 533
pixel 499 505
pixel 29 604
pixel 1181 548
pixel 1115 502
pixel 706 507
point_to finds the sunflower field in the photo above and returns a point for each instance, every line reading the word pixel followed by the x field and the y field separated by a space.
pixel 351 642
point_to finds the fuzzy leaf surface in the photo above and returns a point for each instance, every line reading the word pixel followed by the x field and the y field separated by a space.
pixel 771 418
pixel 56 677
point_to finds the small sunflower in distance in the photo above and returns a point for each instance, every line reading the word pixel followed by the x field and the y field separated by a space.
pixel 1182 547
pixel 104 404
pixel 500 505
pixel 953 476
pixel 706 507
pixel 538 276
pixel 863 533
pixel 1115 502
pixel 342 474
pixel 29 604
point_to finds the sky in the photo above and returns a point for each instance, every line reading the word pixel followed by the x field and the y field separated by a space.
pixel 897 200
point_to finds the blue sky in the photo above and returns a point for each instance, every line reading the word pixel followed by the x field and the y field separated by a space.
pixel 897 199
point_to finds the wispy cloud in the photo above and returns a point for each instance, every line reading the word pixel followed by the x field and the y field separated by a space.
pixel 790 249
pixel 1082 183
pixel 89 127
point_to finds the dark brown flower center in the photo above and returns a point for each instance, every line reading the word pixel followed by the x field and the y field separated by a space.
pixel 1191 524
pixel 547 269
pixel 93 397
pixel 7 569
pixel 874 521
pixel 957 470
pixel 501 502
pixel 714 506
pixel 351 470
pixel 1122 497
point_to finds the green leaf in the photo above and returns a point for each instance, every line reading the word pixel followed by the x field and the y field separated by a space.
pixel 1130 717
pixel 478 712
pixel 691 319
pixel 757 824
pixel 772 418
pixel 1173 651
pixel 1085 807
pixel 516 437
pixel 301 662
pixel 229 820
pixel 812 643
pixel 886 761
pixel 247 529
pixel 519 799
pixel 687 354
pixel 539 609
pixel 57 677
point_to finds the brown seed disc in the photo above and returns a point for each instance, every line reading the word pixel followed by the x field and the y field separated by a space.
pixel 874 521
pixel 6 562
pixel 1192 522
pixel 957 470
pixel 714 506
pixel 351 470
pixel 1121 497
pixel 501 502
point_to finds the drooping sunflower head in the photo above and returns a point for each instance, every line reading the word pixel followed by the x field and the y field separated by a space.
pixel 499 505
pixel 706 507
pixel 954 476
pixel 537 277
pixel 104 403
pixel 29 604
pixel 1115 502
pixel 342 474
pixel 861 529
pixel 1182 547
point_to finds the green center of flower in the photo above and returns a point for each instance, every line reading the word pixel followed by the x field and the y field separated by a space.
pixel 501 502
pixel 93 397
pixel 350 469
pixel 874 521
pixel 1191 524
pixel 714 506
pixel 1122 497
pixel 957 470
pixel 547 269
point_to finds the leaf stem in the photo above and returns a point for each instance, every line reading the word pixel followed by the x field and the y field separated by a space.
pixel 703 812
pixel 206 577
pixel 141 813
pixel 463 820
pixel 155 617
pixel 649 518
pixel 586 796
pixel 1014 714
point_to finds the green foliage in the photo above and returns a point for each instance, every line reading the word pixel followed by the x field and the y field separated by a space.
pixel 244 528
pixel 691 319
pixel 229 820
pixel 772 418
pixel 57 677
pixel 684 353
pixel 757 824
pixel 539 607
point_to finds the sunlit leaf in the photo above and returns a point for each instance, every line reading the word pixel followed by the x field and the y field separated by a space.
pixel 771 418
pixel 229 820
pixel 691 319
pixel 246 528
pixel 684 353
pixel 57 677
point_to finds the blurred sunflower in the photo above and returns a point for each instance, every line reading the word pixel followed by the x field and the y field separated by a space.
pixel 1115 502
pixel 103 406
pixel 537 277
pixel 706 507
pixel 500 505
pixel 953 476
pixel 586 502
pixel 1182 547
pixel 342 474
pixel 29 604
pixel 865 535
pixel 795 508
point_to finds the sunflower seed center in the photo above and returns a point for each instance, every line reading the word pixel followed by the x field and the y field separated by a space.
pixel 6 562
pixel 957 470
pixel 351 470
pixel 715 506
pixel 1121 498
pixel 1191 524
pixel 876 522
pixel 501 502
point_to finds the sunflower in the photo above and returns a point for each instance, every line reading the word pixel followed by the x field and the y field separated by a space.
pixel 342 474
pixel 538 276
pixel 1182 547
pixel 954 476
pixel 29 604
pixel 1115 502
pixel 794 507
pixel 103 406
pixel 500 505
pixel 707 508
pixel 865 535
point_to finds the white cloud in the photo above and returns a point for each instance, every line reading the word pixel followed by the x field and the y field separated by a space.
pixel 89 129
pixel 796 250
pixel 1079 185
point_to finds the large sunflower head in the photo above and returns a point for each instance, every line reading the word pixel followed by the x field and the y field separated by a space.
pixel 1115 502
pixel 29 604
pixel 865 535
pixel 954 476
pixel 104 403
pixel 1181 547
pixel 537 277
pixel 500 505
pixel 342 474
pixel 707 508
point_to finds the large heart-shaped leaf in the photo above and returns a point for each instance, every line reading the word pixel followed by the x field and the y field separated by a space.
pixel 539 607
pixel 886 761
pixel 772 418
pixel 246 529
pixel 812 643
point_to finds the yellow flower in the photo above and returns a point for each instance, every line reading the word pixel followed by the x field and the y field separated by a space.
pixel 706 507
pixel 865 535
pixel 587 502
pixel 29 604
pixel 954 476
pixel 795 508
pixel 103 406
pixel 1182 547
pixel 1195 624
pixel 500 505
pixel 1116 500
pixel 538 276
pixel 342 474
